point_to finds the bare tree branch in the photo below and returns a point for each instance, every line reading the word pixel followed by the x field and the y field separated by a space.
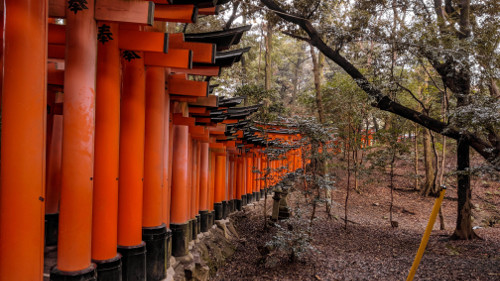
pixel 380 100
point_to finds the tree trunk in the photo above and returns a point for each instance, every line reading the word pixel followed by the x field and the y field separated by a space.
pixel 348 173
pixel 417 181
pixel 494 91
pixel 429 187
pixel 269 48
pixel 463 230
pixel 317 70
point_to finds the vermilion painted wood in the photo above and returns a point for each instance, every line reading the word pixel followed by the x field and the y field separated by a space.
pixel 177 58
pixel 107 136
pixel 57 8
pixel 190 178
pixel 202 52
pixel 56 34
pixel 197 130
pixel 244 165
pixel 176 13
pixel 255 175
pixel 153 150
pixel 180 189
pixel 139 12
pixel 55 76
pixel 179 120
pixel 210 101
pixel 167 160
pixel 198 110
pixel 75 216
pixel 182 98
pixel 198 176
pixel 211 194
pixel 220 177
pixel 132 126
pixel 199 70
pixel 232 190
pixel 54 166
pixel 238 177
pixel 22 188
pixel 143 41
pixel 181 76
pixel 194 167
pixel 204 176
pixel 207 11
pixel 203 120
pixel 249 175
pixel 56 51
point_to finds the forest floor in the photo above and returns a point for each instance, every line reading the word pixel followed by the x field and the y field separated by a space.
pixel 370 249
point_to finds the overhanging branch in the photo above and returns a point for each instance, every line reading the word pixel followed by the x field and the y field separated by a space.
pixel 380 100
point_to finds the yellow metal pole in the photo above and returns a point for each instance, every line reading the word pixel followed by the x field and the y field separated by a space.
pixel 427 233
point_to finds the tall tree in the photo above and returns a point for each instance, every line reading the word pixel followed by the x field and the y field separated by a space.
pixel 317 60
pixel 443 36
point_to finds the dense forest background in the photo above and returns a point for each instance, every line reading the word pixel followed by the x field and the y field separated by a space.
pixel 420 77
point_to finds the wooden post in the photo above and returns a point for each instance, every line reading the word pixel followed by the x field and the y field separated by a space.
pixel 23 140
pixel 239 183
pixel 180 193
pixel 75 216
pixel 197 187
pixel 131 169
pixel 232 180
pixel 107 135
pixel 190 189
pixel 204 186
pixel 249 177
pixel 167 173
pixel 211 194
pixel 54 169
pixel 154 232
pixel 220 184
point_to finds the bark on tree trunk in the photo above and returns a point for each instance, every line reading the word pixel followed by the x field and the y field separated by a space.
pixel 417 181
pixel 317 70
pixel 463 229
pixel 269 48
pixel 429 187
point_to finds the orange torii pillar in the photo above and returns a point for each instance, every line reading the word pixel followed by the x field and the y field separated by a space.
pixel 239 183
pixel 75 215
pixel 190 189
pixel 197 190
pixel 211 189
pixel 154 231
pixel 131 169
pixel 227 186
pixel 22 188
pixel 179 211
pixel 226 205
pixel 106 161
pixel 255 187
pixel 54 169
pixel 244 198
pixel 258 181
pixel 220 184
pixel 193 207
pixel 249 177
pixel 167 174
pixel 232 189
pixel 204 186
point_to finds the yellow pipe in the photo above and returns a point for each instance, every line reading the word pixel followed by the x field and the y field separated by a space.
pixel 427 233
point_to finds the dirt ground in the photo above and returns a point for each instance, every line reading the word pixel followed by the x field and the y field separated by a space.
pixel 370 249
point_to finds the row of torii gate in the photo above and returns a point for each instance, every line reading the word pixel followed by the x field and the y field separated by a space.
pixel 108 149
